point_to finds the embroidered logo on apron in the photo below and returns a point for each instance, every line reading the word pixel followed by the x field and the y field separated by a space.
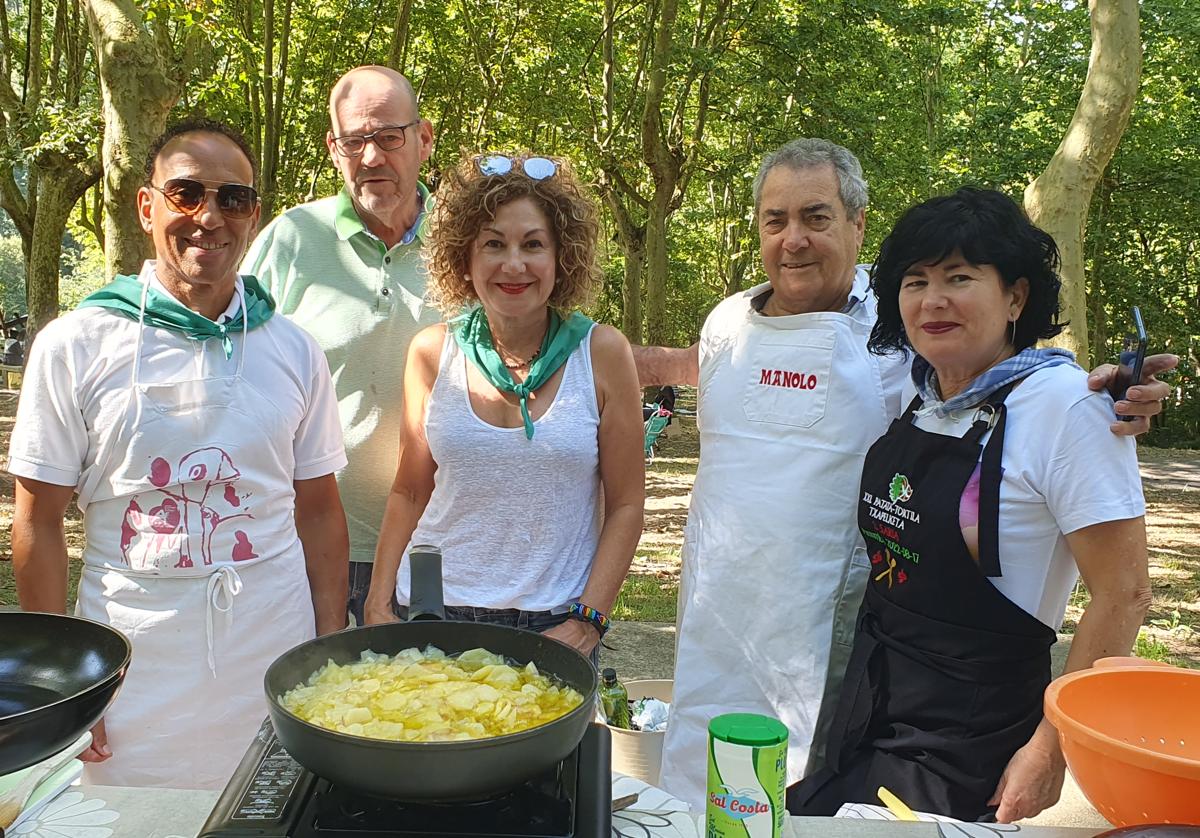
pixel 900 489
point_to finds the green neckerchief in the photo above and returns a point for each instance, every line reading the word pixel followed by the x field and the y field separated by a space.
pixel 475 338
pixel 124 296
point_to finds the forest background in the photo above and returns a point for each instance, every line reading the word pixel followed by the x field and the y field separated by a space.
pixel 666 106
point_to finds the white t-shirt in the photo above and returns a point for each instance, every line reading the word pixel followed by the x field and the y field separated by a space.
pixel 81 366
pixel 1063 470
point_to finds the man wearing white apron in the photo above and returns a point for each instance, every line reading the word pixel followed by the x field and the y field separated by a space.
pixel 789 401
pixel 201 435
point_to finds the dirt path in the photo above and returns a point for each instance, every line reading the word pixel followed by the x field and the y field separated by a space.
pixel 1171 479
pixel 1172 484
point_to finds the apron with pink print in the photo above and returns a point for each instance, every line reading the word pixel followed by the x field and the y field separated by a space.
pixel 192 552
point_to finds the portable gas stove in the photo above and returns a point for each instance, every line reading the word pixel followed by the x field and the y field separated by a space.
pixel 272 796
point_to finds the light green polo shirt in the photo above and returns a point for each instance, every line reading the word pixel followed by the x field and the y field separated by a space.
pixel 363 302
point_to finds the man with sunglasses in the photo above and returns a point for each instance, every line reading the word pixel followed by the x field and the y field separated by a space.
pixel 201 435
pixel 348 269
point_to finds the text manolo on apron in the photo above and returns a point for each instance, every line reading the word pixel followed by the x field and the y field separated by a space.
pixel 192 553
pixel 773 564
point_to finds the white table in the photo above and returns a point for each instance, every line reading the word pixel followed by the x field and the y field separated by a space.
pixel 110 812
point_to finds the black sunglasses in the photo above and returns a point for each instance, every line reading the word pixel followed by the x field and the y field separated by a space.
pixel 187 196
pixel 387 139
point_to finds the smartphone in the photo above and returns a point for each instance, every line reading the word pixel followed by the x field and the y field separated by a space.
pixel 1129 372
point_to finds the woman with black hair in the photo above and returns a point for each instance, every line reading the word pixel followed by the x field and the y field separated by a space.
pixel 980 507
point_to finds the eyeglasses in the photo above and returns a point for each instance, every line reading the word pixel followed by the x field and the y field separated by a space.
pixel 187 197
pixel 535 168
pixel 387 139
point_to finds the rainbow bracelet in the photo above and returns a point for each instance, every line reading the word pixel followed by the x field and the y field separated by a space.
pixel 590 615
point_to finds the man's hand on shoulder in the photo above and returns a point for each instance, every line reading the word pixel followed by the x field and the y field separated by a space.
pixel 1142 400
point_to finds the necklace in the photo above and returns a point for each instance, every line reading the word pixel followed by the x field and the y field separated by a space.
pixel 516 365
pixel 520 365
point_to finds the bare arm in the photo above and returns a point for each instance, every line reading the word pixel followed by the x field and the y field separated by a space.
pixel 39 544
pixel 1112 561
pixel 414 476
pixel 622 477
pixel 321 525
pixel 662 365
pixel 1143 400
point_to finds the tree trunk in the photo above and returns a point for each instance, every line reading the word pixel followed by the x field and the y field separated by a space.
pixel 631 236
pixel 398 52
pixel 1058 199
pixel 274 82
pixel 664 164
pixel 266 179
pixel 657 266
pixel 54 178
pixel 631 291
pixel 137 96
pixel 61 186
pixel 1099 334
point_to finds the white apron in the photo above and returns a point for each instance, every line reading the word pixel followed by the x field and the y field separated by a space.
pixel 191 552
pixel 773 565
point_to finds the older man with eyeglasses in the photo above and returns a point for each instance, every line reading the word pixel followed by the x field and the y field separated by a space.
pixel 201 436
pixel 348 269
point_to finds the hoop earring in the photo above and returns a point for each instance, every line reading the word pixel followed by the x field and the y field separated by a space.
pixel 1012 332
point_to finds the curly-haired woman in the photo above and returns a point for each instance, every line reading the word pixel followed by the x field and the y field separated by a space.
pixel 521 455
pixel 981 506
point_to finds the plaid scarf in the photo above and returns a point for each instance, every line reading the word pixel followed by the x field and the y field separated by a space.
pixel 1019 366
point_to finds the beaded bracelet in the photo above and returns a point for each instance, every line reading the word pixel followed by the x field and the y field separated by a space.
pixel 590 615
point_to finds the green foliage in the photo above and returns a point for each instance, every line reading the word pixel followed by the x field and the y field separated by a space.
pixel 64 128
pixel 12 275
pixel 82 271
pixel 1142 239
pixel 930 94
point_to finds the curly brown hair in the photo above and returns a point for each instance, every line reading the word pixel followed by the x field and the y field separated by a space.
pixel 467 199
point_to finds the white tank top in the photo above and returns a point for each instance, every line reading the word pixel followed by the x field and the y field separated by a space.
pixel 517 519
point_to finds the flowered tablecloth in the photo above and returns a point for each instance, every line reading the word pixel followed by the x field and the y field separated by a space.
pixel 108 812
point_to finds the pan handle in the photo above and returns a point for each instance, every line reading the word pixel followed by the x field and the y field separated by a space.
pixel 425 589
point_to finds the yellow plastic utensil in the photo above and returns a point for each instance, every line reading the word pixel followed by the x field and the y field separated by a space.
pixel 895 805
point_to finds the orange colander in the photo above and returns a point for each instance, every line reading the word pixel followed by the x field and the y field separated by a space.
pixel 1131 736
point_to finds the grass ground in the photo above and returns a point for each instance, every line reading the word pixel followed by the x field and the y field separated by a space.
pixel 1172 485
pixel 1172 479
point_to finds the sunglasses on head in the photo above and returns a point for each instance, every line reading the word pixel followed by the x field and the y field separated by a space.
pixel 535 168
pixel 188 196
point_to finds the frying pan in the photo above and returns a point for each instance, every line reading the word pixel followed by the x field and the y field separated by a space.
pixel 431 771
pixel 58 674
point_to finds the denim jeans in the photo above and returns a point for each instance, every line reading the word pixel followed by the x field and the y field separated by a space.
pixel 360 583
pixel 538 621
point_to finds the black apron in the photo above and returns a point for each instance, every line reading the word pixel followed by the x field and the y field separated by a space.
pixel 946 677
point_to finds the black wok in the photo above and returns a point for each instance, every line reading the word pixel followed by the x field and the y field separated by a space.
pixel 58 675
pixel 431 771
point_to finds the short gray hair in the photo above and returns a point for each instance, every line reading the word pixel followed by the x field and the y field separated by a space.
pixel 807 152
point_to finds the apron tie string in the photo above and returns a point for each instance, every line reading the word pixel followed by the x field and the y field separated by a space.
pixel 223 585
